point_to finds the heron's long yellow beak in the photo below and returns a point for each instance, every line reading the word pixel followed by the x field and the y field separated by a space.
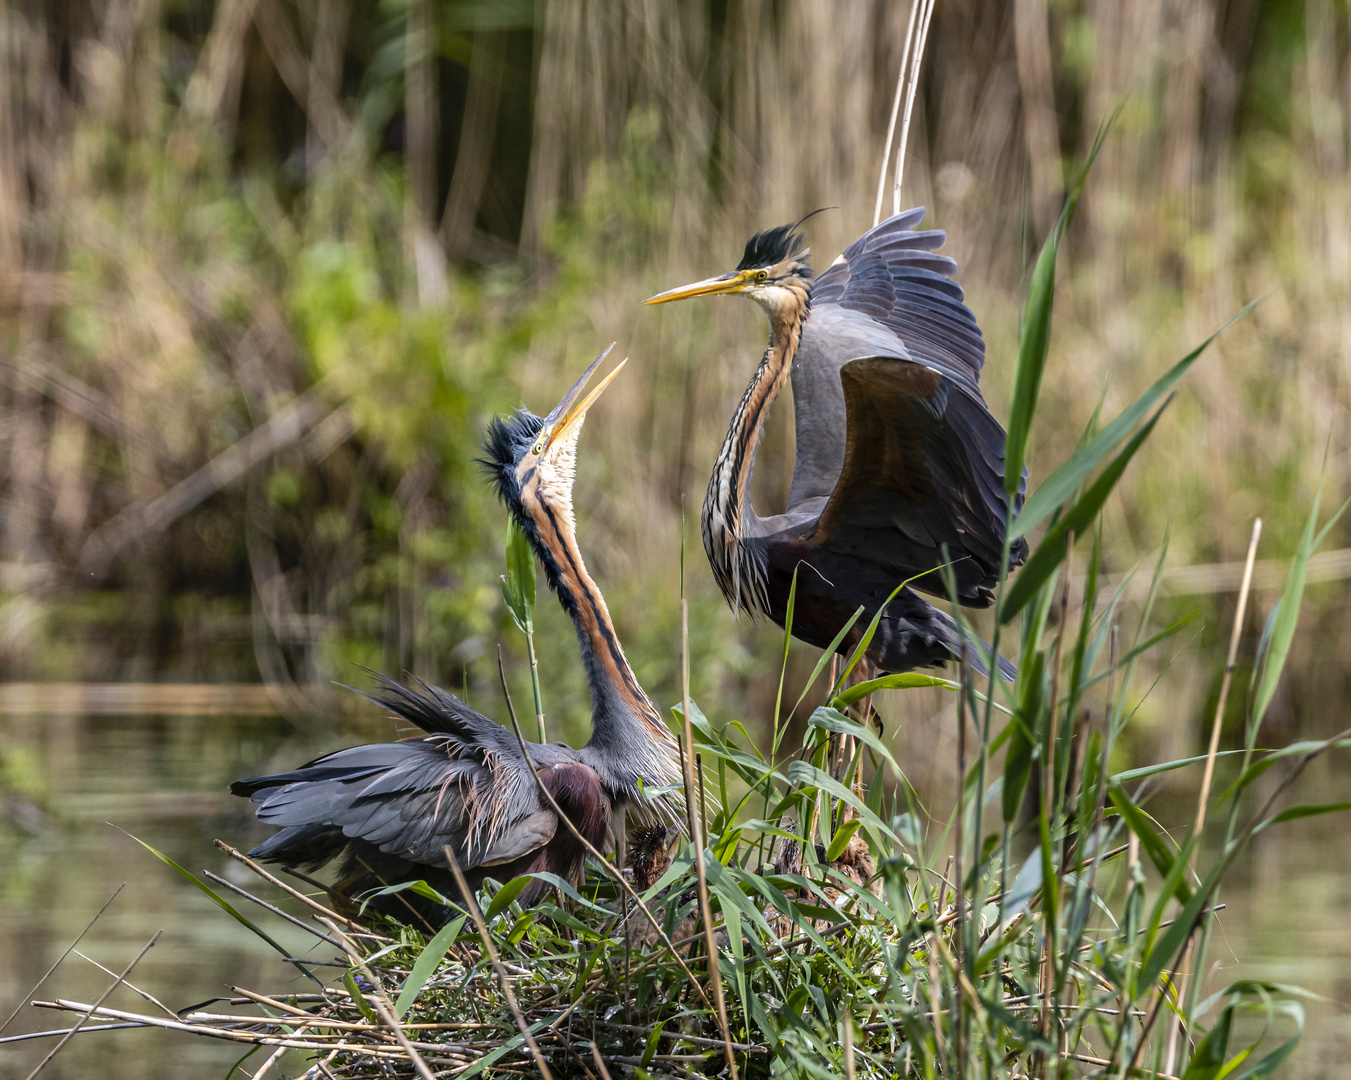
pixel 714 286
pixel 569 413
pixel 578 414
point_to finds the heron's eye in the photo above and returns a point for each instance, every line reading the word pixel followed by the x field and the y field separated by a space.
pixel 538 448
pixel 762 276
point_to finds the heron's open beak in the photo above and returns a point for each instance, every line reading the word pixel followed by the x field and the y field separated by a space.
pixel 568 416
pixel 714 286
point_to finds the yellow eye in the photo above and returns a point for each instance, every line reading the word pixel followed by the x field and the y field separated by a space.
pixel 762 275
pixel 538 448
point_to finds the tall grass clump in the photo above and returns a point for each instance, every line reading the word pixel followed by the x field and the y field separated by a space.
pixel 1047 926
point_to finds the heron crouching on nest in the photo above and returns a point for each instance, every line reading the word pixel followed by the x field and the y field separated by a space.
pixel 392 809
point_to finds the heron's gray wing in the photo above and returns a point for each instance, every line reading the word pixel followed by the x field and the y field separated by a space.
pixel 892 275
pixel 468 787
pixel 922 470
pixel 887 295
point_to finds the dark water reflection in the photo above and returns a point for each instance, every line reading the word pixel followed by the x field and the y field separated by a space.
pixel 159 767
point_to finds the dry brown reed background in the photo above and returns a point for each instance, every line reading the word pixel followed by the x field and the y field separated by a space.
pixel 267 267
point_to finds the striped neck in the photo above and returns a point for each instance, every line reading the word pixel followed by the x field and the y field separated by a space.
pixel 628 741
pixel 727 513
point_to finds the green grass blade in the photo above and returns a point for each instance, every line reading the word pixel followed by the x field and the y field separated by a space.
pixel 432 954
pixel 825 659
pixel 1023 734
pixel 805 773
pixel 1208 1060
pixel 1283 631
pixel 908 680
pixel 505 895
pixel 1051 553
pixel 236 1066
pixel 518 584
pixel 783 665
pixel 833 720
pixel 225 906
pixel 1035 337
pixel 1170 943
pixel 1294 813
pixel 1061 485
pixel 358 998
pixel 1151 838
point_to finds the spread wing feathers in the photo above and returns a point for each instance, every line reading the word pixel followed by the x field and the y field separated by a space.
pixel 923 468
pixel 890 297
pixel 892 275
pixel 466 786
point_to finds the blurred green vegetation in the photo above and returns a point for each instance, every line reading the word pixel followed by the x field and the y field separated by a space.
pixel 396 219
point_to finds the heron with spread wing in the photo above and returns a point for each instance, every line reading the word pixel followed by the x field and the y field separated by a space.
pixel 900 465
pixel 391 809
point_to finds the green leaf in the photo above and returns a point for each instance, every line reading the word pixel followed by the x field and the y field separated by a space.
pixel 1148 832
pixel 1170 943
pixel 1052 492
pixel 358 998
pixel 1257 768
pixel 803 772
pixel 787 640
pixel 1208 1061
pixel 832 720
pixel 518 584
pixel 426 963
pixel 1294 813
pixel 236 1066
pixel 1022 733
pixel 653 1042
pixel 225 906
pixel 1283 631
pixel 826 655
pixel 1267 1066
pixel 909 680
pixel 1035 337
pixel 505 895
pixel 867 639
pixel 1146 771
pixel 1051 553
pixel 843 835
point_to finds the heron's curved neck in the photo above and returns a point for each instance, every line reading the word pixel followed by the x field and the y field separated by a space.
pixel 625 724
pixel 728 514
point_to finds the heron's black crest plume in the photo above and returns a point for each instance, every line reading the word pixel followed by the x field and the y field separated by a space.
pixel 506 442
pixel 509 438
pixel 771 247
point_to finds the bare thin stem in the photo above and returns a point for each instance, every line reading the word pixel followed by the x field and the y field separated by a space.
pixel 1179 1021
pixel 600 1062
pixel 296 893
pixel 69 949
pixel 272 908
pixel 697 838
pixel 1049 798
pixel 1234 636
pixel 912 88
pixel 145 994
pixel 895 110
pixel 90 1011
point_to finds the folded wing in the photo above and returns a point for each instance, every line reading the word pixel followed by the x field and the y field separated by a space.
pixel 466 787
